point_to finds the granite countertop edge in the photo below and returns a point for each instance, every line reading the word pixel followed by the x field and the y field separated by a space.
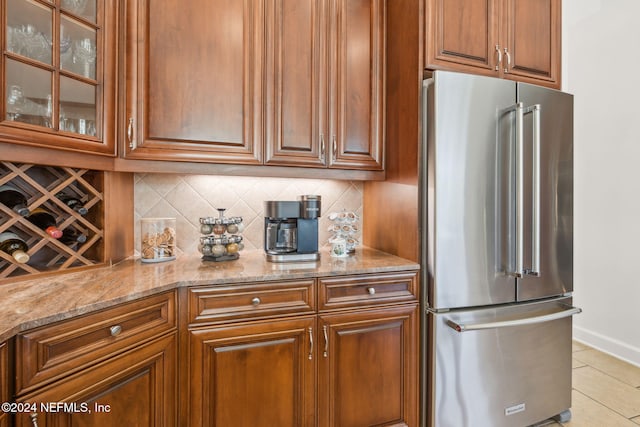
pixel 28 304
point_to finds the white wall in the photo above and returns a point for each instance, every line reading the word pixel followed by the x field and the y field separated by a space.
pixel 601 66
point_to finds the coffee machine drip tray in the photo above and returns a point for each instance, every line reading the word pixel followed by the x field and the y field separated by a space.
pixel 293 257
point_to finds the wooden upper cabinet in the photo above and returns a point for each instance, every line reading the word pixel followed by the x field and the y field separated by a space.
pixel 194 73
pixel 325 83
pixel 533 30
pixel 462 34
pixel 357 45
pixel 295 83
pixel 59 69
pixel 518 40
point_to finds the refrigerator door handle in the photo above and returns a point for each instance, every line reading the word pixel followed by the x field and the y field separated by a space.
pixel 461 327
pixel 535 214
pixel 517 265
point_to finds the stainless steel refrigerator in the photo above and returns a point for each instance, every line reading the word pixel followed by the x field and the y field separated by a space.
pixel 497 251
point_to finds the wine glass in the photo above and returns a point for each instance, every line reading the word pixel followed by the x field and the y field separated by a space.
pixel 15 102
pixel 74 6
pixel 84 53
pixel 36 45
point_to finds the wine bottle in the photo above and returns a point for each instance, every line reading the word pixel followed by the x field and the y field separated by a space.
pixel 45 221
pixel 14 246
pixel 70 237
pixel 14 199
pixel 73 202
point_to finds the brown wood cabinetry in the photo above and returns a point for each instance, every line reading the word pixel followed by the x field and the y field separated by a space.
pixel 194 80
pixel 287 83
pixel 357 85
pixel 518 40
pixel 368 371
pixel 110 368
pixel 135 388
pixel 368 350
pixel 325 83
pixel 4 382
pixel 248 367
pixel 59 73
pixel 258 373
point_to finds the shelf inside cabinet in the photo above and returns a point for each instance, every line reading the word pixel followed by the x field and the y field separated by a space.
pixel 42 185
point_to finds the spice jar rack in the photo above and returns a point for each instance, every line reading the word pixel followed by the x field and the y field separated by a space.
pixel 41 185
pixel 221 241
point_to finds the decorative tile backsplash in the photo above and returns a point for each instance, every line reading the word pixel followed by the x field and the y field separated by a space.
pixel 189 197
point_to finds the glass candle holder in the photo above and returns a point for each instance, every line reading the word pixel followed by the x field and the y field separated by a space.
pixel 157 239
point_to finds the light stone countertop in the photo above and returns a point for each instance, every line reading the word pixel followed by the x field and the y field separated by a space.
pixel 27 304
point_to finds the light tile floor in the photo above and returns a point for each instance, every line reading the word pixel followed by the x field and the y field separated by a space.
pixel 606 391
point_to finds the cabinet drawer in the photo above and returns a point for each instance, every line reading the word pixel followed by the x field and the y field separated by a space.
pixel 214 304
pixel 342 292
pixel 47 353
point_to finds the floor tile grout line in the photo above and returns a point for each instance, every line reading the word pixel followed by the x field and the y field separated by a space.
pixel 602 404
pixel 606 373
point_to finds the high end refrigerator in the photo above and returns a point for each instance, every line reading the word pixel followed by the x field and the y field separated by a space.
pixel 497 251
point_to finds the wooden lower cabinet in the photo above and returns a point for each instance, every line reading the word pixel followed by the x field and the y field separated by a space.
pixel 253 374
pixel 135 388
pixel 4 382
pixel 368 368
pixel 264 373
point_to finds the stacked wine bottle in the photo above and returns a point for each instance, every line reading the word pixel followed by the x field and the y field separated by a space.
pixel 42 219
pixel 222 240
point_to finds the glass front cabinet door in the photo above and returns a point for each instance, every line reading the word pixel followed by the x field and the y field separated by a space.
pixel 59 74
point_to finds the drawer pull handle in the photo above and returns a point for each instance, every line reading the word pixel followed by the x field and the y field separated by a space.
pixel 34 419
pixel 115 330
pixel 256 301
pixel 372 291
pixel 310 343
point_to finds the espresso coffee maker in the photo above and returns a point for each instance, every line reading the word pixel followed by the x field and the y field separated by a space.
pixel 291 229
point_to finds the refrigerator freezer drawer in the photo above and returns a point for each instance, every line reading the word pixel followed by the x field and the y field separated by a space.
pixel 500 367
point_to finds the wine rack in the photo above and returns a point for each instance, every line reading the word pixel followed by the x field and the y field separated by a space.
pixel 41 184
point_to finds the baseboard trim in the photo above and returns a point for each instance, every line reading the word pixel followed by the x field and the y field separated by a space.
pixel 607 345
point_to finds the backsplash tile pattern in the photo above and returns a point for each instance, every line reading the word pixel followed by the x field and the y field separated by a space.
pixel 189 197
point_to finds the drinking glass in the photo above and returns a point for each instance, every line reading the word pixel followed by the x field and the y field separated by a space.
pixel 15 102
pixel 84 54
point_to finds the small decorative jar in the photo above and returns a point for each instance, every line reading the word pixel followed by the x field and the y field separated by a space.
pixel 157 239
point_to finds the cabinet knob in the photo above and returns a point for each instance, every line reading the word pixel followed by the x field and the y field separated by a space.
pixel 255 301
pixel 372 291
pixel 115 330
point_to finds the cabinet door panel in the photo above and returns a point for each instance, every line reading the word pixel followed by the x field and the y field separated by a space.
pixel 253 374
pixel 533 39
pixel 4 380
pixel 194 73
pixel 370 373
pixel 462 33
pixel 357 131
pixel 134 389
pixel 295 107
pixel 59 69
